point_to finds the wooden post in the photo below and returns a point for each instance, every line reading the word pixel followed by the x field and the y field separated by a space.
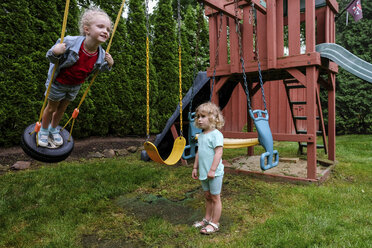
pixel 271 34
pixel 332 118
pixel 311 120
pixel 310 25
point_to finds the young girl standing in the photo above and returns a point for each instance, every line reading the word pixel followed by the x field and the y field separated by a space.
pixel 77 57
pixel 208 161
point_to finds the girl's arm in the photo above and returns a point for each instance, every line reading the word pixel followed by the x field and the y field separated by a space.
pixel 194 173
pixel 54 56
pixel 218 151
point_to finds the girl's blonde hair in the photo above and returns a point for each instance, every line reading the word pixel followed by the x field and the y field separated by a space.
pixel 214 114
pixel 88 15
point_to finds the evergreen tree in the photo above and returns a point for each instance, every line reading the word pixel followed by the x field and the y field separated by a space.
pixel 353 99
pixel 27 32
pixel 165 50
pixel 111 95
pixel 196 56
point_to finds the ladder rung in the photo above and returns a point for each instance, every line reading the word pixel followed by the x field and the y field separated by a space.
pixel 290 81
pixel 317 146
pixel 296 86
pixel 298 103
pixel 305 132
pixel 302 117
pixel 299 117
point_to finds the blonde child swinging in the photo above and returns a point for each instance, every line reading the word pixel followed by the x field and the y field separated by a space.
pixel 77 57
pixel 208 161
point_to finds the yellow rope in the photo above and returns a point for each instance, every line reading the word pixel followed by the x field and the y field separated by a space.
pixel 56 65
pixel 95 75
pixel 180 87
pixel 64 23
pixel 147 88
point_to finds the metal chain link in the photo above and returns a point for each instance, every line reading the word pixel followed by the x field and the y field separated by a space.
pixel 237 26
pixel 199 21
pixel 257 54
pixel 147 71
pixel 216 56
pixel 179 62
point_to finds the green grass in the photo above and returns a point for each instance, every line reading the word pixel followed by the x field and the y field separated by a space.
pixel 74 204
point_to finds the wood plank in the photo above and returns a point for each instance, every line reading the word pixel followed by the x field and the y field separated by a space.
pixel 234 46
pixel 300 60
pixel 294 27
pixel 320 25
pixel 333 5
pixel 212 39
pixel 332 118
pixel 219 6
pixel 271 41
pixel 222 53
pixel 276 136
pixel 298 75
pixel 310 25
pixel 311 120
pixel 247 35
pixel 280 28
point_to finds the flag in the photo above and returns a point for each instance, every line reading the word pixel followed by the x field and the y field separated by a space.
pixel 355 9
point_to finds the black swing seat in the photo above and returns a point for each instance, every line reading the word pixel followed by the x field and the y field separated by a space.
pixel 44 154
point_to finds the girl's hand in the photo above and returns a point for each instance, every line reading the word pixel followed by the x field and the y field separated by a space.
pixel 211 174
pixel 109 59
pixel 194 173
pixel 59 49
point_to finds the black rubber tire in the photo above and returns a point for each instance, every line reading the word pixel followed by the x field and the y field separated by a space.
pixel 28 144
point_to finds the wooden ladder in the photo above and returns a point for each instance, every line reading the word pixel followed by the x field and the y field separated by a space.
pixel 293 85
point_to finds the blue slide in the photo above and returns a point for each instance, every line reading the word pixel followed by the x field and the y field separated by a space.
pixel 346 60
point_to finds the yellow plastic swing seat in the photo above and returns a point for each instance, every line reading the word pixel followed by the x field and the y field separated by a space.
pixel 239 143
pixel 174 157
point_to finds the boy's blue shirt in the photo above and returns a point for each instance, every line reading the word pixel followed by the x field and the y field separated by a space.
pixel 73 44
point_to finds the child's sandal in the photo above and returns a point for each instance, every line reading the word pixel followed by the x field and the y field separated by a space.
pixel 202 223
pixel 209 230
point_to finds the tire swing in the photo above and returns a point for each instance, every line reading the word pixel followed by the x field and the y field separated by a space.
pixel 179 142
pixel 53 154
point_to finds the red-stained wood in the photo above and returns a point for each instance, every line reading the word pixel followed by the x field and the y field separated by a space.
pixel 279 28
pixel 271 35
pixel 311 120
pixel 332 118
pixel 247 34
pixel 288 62
pixel 294 27
pixel 310 25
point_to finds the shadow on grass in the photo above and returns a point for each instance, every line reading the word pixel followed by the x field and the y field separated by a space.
pixel 148 206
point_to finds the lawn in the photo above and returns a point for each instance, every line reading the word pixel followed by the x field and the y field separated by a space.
pixel 125 202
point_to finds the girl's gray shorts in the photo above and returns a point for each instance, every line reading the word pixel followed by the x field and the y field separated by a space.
pixel 214 185
pixel 60 91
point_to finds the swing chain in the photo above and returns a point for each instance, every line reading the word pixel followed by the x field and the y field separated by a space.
pixel 237 26
pixel 147 72
pixel 256 52
pixel 216 57
pixel 199 20
pixel 179 63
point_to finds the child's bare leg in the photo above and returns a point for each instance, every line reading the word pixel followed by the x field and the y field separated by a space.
pixel 217 208
pixel 58 113
pixel 48 113
pixel 208 205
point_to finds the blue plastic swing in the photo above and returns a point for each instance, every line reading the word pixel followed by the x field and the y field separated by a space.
pixel 265 138
pixel 192 138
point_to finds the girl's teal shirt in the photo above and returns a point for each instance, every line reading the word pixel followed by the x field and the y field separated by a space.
pixel 206 145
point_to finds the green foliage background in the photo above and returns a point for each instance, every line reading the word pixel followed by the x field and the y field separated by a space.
pixel 116 104
pixel 353 95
